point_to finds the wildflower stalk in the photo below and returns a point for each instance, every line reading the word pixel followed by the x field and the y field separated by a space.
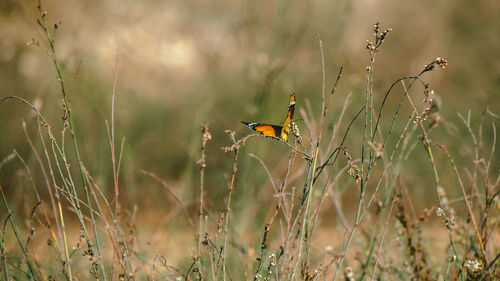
pixel 372 161
pixel 310 189
pixel 440 202
pixel 467 203
pixel 67 107
pixel 31 276
pixel 65 239
pixel 205 137
pixel 235 148
pixel 437 62
pixel 372 48
pixel 49 189
pixel 114 164
pixel 4 261
pixel 306 211
pixel 368 111
pixel 382 214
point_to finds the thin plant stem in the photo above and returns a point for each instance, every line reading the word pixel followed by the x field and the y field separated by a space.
pixel 16 233
pixel 109 229
pixel 436 177
pixel 388 166
pixel 205 137
pixel 37 195
pixel 309 191
pixel 306 211
pixel 44 173
pixel 351 235
pixel 368 111
pixel 426 143
pixel 386 224
pixel 111 139
pixel 169 190
pixel 467 203
pixel 371 158
pixel 58 199
pixel 228 205
pixel 67 180
pixel 68 113
pixel 4 261
pixel 334 152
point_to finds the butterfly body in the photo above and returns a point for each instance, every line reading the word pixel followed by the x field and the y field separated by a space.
pixel 275 131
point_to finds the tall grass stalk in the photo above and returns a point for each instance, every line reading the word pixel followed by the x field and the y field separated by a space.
pixel 68 113
pixel 32 273
pixel 299 215
pixel 55 146
pixel 228 203
pixel 49 189
pixel 204 139
pixel 59 217
pixel 309 191
pixel 386 224
pixel 426 142
pixel 114 164
pixel 388 166
pixel 4 261
pixel 373 48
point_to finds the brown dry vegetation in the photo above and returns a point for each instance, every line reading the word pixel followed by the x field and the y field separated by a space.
pixel 392 174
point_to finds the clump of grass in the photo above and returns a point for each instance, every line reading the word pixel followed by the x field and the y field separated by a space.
pixel 371 167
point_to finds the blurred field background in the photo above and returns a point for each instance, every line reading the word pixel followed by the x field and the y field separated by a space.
pixel 184 63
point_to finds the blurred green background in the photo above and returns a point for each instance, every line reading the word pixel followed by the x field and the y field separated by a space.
pixel 183 63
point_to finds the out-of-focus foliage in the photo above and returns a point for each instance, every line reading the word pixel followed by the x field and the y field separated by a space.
pixel 182 63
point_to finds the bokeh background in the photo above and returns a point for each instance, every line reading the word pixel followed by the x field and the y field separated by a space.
pixel 183 63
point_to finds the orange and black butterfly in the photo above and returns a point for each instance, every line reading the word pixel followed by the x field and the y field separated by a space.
pixel 275 131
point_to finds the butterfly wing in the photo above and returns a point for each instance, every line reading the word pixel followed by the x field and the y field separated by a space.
pixel 288 119
pixel 274 131
pixel 271 131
